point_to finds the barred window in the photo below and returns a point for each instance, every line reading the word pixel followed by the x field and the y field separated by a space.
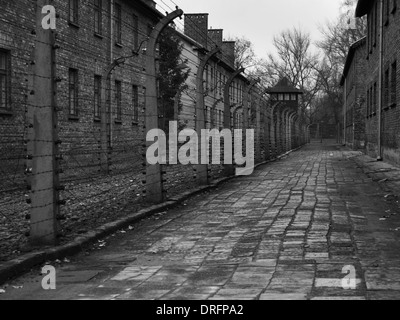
pixel 386 12
pixel 386 89
pixel 5 80
pixel 97 97
pixel 118 99
pixel 393 86
pixel 135 25
pixel 118 23
pixel 393 6
pixel 375 22
pixel 73 92
pixel 135 103
pixel 98 7
pixel 73 11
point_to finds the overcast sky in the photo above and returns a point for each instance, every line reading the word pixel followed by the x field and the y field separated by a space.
pixel 260 20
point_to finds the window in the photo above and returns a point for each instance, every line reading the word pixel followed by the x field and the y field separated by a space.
pixel 149 30
pixel 393 6
pixel 386 89
pixel 287 97
pixel 369 32
pixel 293 97
pixel 212 79
pixel 98 17
pixel 393 84
pixel 375 97
pixel 97 97
pixel 73 92
pixel 118 98
pixel 206 77
pixel 386 12
pixel 371 101
pixel 135 24
pixel 73 11
pixel 135 103
pixel 280 97
pixel 5 80
pixel 375 26
pixel 118 24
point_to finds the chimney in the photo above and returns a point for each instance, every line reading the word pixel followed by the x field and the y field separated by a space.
pixel 228 51
pixel 196 27
pixel 215 38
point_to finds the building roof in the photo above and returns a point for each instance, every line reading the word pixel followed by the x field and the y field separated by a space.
pixel 148 7
pixel 350 56
pixel 363 7
pixel 284 86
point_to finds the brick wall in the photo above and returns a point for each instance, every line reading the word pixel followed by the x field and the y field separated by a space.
pixel 391 107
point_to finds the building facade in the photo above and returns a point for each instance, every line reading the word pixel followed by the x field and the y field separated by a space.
pixel 90 35
pixel 355 97
pixel 382 131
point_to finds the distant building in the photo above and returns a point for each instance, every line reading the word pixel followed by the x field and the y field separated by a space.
pixel 355 97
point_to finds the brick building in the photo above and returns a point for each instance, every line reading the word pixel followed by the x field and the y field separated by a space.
pixel 197 37
pixel 381 78
pixel 90 35
pixel 353 81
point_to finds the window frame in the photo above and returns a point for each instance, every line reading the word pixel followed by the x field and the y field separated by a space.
pixel 97 96
pixel 135 103
pixel 393 84
pixel 6 74
pixel 135 27
pixel 73 12
pixel 118 24
pixel 98 15
pixel 393 6
pixel 118 100
pixel 73 86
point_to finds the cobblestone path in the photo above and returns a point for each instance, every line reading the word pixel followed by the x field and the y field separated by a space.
pixel 290 231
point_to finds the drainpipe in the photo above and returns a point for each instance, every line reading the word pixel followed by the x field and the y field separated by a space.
pixel 345 111
pixel 380 82
pixel 110 81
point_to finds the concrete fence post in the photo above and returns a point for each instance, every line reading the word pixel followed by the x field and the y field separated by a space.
pixel 42 159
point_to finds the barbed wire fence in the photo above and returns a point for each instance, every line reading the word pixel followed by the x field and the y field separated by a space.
pixel 63 171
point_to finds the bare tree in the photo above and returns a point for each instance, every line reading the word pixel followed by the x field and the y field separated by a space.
pixel 244 53
pixel 338 36
pixel 296 61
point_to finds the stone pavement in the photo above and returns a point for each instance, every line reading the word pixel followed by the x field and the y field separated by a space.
pixel 287 232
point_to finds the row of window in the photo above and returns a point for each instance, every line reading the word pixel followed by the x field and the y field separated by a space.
pixel 214 117
pixel 98 21
pixel 215 81
pixel 73 100
pixel 390 7
pixel 285 97
pixel 389 94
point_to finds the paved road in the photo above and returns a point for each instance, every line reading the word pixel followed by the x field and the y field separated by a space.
pixel 286 232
